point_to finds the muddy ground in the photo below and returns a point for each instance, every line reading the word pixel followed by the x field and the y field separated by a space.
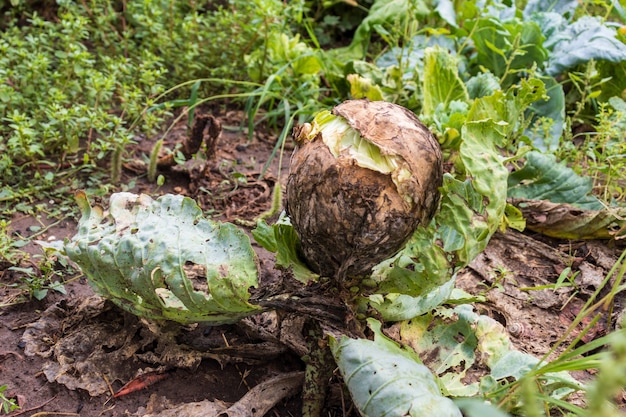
pixel 69 354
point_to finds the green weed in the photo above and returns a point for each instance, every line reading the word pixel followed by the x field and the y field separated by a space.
pixel 600 152
pixel 7 405
pixel 49 273
pixel 74 87
pixel 9 246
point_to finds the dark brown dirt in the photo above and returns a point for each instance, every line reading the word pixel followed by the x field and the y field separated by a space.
pixel 229 186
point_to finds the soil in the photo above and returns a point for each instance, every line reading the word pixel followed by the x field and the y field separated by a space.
pixel 69 354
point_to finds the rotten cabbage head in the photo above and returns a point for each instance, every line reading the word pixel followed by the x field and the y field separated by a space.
pixel 363 178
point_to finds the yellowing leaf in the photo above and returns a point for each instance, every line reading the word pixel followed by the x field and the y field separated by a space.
pixel 361 87
pixel 442 84
pixel 565 221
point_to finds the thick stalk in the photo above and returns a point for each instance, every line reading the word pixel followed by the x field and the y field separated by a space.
pixel 318 372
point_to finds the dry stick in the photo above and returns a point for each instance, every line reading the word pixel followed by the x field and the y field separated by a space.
pixel 244 374
pixel 28 410
pixel 264 396
pixel 111 390
pixel 54 413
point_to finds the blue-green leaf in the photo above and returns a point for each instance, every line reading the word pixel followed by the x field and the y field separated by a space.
pixel 395 307
pixel 475 407
pixel 542 178
pixel 445 9
pixel 482 85
pixel 496 41
pixel 560 7
pixel 586 39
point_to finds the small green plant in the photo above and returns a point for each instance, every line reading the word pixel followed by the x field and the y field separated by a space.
pixel 48 272
pixel 7 405
pixel 36 283
pixel 9 247
pixel 500 275
pixel 58 98
pixel 601 152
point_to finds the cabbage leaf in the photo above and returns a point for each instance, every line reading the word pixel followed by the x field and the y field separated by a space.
pixel 161 259
pixel 441 66
pixel 385 380
pixel 542 178
pixel 458 339
pixel 282 239
pixel 586 39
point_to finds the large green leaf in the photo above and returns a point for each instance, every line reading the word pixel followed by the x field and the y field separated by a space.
pixel 383 12
pixel 396 306
pixel 456 341
pixel 505 108
pixel 385 380
pixel 445 9
pixel 558 202
pixel 453 340
pixel 477 407
pixel 542 178
pixel 161 259
pixel 560 7
pixel 483 84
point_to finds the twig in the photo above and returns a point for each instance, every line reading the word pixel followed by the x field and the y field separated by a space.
pixel 244 374
pixel 28 410
pixel 264 396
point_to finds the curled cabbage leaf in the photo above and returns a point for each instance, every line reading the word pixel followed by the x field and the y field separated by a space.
pixel 162 259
